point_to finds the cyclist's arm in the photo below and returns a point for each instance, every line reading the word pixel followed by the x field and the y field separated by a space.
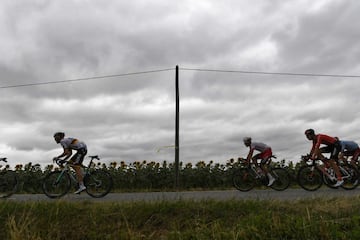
pixel 315 151
pixel 67 154
pixel 249 156
pixel 312 151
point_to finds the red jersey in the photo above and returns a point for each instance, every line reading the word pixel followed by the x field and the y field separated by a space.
pixel 322 139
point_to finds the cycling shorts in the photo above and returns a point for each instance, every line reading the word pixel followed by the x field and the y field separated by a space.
pixel 78 157
pixel 264 156
pixel 333 149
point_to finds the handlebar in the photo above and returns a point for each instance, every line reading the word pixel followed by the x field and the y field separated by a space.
pixel 59 161
pixel 306 157
pixel 309 160
pixel 94 157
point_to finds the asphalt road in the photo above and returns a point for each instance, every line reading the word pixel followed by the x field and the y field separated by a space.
pixel 268 194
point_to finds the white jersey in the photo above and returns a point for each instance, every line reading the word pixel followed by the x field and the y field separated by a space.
pixel 72 143
pixel 261 147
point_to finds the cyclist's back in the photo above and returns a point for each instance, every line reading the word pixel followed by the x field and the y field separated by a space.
pixel 72 143
pixel 259 146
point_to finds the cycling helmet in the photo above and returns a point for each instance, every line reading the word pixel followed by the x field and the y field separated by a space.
pixel 247 139
pixel 58 136
pixel 309 131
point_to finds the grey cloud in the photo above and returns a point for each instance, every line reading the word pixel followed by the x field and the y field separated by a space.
pixel 131 117
pixel 323 42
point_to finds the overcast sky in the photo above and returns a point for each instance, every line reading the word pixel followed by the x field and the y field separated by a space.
pixel 132 117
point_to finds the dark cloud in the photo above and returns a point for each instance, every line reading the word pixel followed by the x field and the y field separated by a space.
pixel 131 117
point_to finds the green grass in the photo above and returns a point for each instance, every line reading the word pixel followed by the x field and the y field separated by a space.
pixel 321 218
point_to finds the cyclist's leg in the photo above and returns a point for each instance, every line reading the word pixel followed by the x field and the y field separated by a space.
pixel 76 166
pixel 77 160
pixel 255 159
pixel 333 158
pixel 265 160
pixel 326 149
pixel 355 158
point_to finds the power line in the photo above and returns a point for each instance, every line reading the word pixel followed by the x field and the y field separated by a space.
pixel 185 69
pixel 272 73
pixel 85 79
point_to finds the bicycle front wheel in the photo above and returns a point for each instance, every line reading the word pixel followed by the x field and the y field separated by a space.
pixel 56 184
pixel 282 179
pixel 8 183
pixel 98 183
pixel 309 178
pixel 243 180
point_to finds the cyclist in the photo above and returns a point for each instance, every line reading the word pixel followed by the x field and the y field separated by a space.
pixel 349 148
pixel 264 155
pixel 332 146
pixel 76 160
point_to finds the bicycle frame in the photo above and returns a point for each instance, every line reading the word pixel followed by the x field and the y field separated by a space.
pixel 257 171
pixel 66 169
pixel 329 171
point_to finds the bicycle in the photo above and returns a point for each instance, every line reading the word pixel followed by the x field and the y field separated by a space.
pixel 98 182
pixel 347 160
pixel 313 175
pixel 8 181
pixel 248 176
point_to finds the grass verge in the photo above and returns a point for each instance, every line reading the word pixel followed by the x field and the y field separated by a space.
pixel 320 218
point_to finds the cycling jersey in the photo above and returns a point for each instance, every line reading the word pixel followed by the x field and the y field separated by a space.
pixel 75 144
pixel 323 139
pixel 72 143
pixel 261 147
pixel 349 146
pixel 332 145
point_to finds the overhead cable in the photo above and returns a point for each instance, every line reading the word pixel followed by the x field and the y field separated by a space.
pixel 272 73
pixel 185 69
pixel 84 79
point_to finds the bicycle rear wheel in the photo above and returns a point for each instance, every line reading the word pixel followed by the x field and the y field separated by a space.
pixel 8 183
pixel 243 180
pixel 98 183
pixel 56 184
pixel 282 179
pixel 309 178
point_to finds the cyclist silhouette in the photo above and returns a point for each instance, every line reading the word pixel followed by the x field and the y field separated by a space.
pixel 332 146
pixel 76 160
pixel 264 155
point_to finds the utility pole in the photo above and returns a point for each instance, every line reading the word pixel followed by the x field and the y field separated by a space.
pixel 177 112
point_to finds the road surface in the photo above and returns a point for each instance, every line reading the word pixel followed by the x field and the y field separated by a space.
pixel 268 194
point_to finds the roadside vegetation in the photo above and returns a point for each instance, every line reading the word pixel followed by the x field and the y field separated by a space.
pixel 151 176
pixel 320 218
